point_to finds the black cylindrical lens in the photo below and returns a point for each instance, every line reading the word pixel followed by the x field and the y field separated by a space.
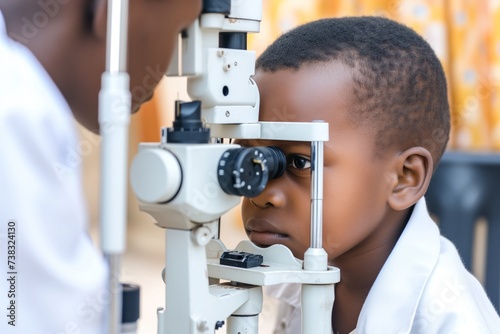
pixel 276 161
pixel 246 171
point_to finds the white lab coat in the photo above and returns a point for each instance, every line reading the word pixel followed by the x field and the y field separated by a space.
pixel 59 274
pixel 423 288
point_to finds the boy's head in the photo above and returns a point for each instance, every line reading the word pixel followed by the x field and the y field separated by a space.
pixel 383 92
pixel 399 88
pixel 69 39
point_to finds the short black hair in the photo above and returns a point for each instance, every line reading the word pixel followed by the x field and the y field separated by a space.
pixel 399 84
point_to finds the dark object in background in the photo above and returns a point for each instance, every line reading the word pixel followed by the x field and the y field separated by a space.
pixel 466 187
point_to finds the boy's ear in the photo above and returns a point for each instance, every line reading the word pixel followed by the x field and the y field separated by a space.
pixel 99 10
pixel 414 169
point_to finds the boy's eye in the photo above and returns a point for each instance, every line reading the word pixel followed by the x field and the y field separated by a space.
pixel 299 162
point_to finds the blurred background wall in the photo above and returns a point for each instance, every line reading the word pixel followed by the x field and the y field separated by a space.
pixel 465 34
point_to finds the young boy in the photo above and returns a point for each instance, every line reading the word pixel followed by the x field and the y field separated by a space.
pixel 383 92
pixel 52 55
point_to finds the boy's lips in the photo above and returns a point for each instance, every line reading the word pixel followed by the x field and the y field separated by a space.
pixel 262 233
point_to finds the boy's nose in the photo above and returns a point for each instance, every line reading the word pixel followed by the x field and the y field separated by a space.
pixel 255 202
pixel 270 197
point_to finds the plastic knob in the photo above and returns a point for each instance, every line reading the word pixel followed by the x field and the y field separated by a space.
pixel 155 176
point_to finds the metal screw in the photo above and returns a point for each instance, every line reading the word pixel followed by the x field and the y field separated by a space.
pixel 228 113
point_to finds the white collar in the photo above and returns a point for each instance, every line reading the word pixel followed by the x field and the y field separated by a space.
pixel 396 291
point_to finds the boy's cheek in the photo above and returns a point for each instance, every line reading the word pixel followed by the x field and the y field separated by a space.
pixel 245 207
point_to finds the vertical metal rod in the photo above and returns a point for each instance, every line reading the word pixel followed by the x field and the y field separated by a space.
pixel 116 65
pixel 116 52
pixel 215 140
pixel 316 194
pixel 115 295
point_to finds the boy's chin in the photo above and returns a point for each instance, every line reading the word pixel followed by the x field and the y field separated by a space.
pixel 259 245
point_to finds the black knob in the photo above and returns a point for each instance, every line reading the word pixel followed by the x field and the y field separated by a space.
pixel 130 303
pixel 188 127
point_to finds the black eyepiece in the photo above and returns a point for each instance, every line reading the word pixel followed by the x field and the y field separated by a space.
pixel 276 160
pixel 246 171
